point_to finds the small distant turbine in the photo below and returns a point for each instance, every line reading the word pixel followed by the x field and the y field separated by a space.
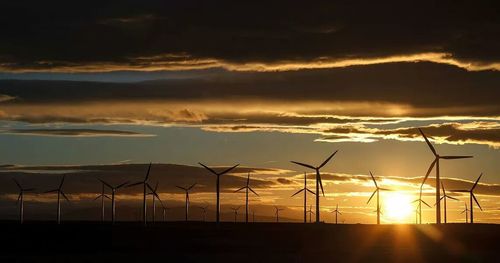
pixel 337 212
pixel 277 213
pixel 186 190
pixel 59 192
pixel 204 212
pixel 218 174
pixel 318 181
pixel 247 188
pixel 20 199
pixel 466 211
pixel 154 193
pixel 444 198
pixel 472 196
pixel 235 210
pixel 377 191
pixel 438 182
pixel 102 196
pixel 144 183
pixel 310 212
pixel 113 192
pixel 419 206
pixel 164 208
pixel 305 190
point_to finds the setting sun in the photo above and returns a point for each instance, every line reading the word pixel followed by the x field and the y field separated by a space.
pixel 397 207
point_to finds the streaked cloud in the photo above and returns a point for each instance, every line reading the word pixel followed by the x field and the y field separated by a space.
pixel 75 133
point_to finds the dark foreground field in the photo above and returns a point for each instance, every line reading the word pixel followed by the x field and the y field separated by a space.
pixel 261 242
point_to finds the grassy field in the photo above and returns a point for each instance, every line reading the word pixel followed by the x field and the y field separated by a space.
pixel 260 242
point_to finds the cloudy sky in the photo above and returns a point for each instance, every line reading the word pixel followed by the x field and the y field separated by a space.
pixel 97 89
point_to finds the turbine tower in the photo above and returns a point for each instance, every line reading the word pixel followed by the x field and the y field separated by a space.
pixel 337 212
pixel 472 196
pixel 444 197
pixel 20 199
pixel 377 191
pixel 186 190
pixel 155 195
pixel 113 192
pixel 217 205
pixel 164 208
pixel 247 188
pixel 59 192
pixel 277 213
pixel 305 190
pixel 438 182
pixel 318 181
pixel 204 212
pixel 466 211
pixel 102 196
pixel 235 210
pixel 144 183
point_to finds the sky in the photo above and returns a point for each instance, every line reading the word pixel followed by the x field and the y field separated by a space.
pixel 92 89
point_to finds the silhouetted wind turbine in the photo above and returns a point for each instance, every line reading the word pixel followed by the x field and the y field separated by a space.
pixel 318 181
pixel 377 191
pixel 305 190
pixel 466 211
pixel 247 188
pixel 438 182
pixel 472 196
pixel 186 190
pixel 144 183
pixel 217 205
pixel 113 192
pixel 164 208
pixel 419 205
pixel 444 197
pixel 277 213
pixel 203 211
pixel 59 192
pixel 337 212
pixel 310 212
pixel 102 196
pixel 155 195
pixel 20 199
pixel 235 210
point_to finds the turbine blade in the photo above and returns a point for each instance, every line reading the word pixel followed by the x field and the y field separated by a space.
pixel 208 168
pixel 51 191
pixel 99 196
pixel 65 197
pixel 305 165
pixel 455 157
pixel 385 189
pixel 451 197
pixel 122 185
pixel 108 185
pixel 477 181
pixel 307 189
pixel 17 183
pixel 248 179
pixel 425 203
pixel 477 202
pixel 191 187
pixel 428 143
pixel 442 187
pixel 249 188
pixel 321 185
pixel 109 198
pixel 156 186
pixel 369 199
pixel 229 169
pixel 298 192
pixel 19 197
pixel 240 189
pixel 327 160
pixel 180 187
pixel 429 171
pixel 147 174
pixel 134 184
pixel 462 212
pixel 62 181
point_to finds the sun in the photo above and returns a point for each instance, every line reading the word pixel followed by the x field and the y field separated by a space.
pixel 397 207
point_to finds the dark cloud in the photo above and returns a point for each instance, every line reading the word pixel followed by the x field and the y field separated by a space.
pixel 76 133
pixel 44 35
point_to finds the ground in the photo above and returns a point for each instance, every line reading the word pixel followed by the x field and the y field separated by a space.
pixel 239 242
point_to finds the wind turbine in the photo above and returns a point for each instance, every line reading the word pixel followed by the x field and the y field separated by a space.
pixel 59 192
pixel 235 210
pixel 113 192
pixel 419 206
pixel 186 190
pixel 247 188
pixel 438 182
pixel 144 183
pixel 20 199
pixel 102 196
pixel 444 197
pixel 204 211
pixel 318 181
pixel 310 212
pixel 217 206
pixel 155 195
pixel 472 196
pixel 277 213
pixel 305 190
pixel 466 211
pixel 164 208
pixel 377 191
pixel 337 212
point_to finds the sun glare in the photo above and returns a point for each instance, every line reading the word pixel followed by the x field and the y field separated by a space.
pixel 397 207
